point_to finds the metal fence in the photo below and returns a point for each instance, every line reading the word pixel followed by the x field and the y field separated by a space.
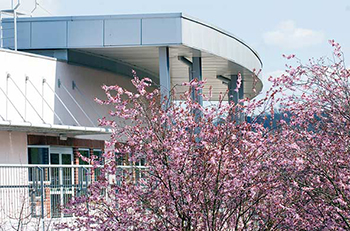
pixel 32 195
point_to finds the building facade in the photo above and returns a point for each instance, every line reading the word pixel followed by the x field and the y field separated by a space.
pixel 47 89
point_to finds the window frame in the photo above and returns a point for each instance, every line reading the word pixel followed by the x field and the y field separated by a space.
pixel 39 146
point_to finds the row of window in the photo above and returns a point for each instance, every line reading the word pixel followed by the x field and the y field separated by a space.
pixel 64 156
pixel 43 155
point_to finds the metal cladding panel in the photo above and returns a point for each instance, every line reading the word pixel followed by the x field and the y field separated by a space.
pixel 23 33
pixel 49 34
pixel 161 31
pixel 120 32
pixel 218 43
pixel 85 33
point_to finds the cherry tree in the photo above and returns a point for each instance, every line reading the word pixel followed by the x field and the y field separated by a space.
pixel 175 165
pixel 313 147
pixel 203 169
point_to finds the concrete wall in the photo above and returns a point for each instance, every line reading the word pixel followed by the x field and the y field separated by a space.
pixel 13 147
pixel 13 150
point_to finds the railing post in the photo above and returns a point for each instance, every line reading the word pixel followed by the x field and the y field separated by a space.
pixel 86 185
pixel 41 170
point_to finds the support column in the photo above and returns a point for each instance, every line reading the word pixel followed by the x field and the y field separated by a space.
pixel 197 74
pixel 232 85
pixel 241 89
pixel 241 96
pixel 164 75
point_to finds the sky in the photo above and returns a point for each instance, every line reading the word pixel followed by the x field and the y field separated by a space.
pixel 271 27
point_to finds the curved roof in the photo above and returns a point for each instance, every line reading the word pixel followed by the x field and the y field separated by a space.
pixel 134 40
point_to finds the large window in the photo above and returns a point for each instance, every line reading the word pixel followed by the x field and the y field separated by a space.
pixel 38 155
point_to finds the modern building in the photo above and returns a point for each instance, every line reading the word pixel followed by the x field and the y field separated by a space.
pixel 52 69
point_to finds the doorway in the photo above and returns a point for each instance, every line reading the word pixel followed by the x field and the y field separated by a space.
pixel 62 178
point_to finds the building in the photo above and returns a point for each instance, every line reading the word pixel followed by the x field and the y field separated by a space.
pixel 48 86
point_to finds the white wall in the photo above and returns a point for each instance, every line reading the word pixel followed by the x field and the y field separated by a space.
pixel 89 81
pixel 20 65
pixel 13 147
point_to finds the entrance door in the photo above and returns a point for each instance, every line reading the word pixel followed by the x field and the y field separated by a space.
pixel 61 179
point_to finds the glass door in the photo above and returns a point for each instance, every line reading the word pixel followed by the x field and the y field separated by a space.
pixel 61 179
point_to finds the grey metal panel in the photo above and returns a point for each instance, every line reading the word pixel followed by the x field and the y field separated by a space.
pixel 49 34
pixel 85 33
pixel 222 53
pixel 122 32
pixel 23 32
pixel 161 31
pixel 205 38
pixel 8 35
pixel 99 62
pixel 57 54
pixel 102 17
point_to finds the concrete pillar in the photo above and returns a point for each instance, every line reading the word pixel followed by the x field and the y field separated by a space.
pixel 197 74
pixel 241 96
pixel 164 75
pixel 241 89
pixel 232 85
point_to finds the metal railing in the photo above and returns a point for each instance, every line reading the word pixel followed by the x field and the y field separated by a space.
pixel 33 195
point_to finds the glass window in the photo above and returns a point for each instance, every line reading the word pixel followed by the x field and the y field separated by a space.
pixel 38 155
pixel 85 153
pixel 120 159
pixel 99 157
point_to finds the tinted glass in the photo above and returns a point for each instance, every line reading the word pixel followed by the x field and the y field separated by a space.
pixel 85 153
pixel 38 155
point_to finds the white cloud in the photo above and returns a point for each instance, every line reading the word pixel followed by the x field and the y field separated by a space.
pixel 287 35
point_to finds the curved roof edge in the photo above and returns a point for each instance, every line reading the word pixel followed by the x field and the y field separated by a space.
pixel 130 16
pixel 222 31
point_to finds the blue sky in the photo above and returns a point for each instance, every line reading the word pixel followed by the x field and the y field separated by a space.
pixel 271 27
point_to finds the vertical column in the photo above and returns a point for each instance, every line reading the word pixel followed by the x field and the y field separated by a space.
pixel 241 89
pixel 197 74
pixel 233 95
pixel 164 75
pixel 241 96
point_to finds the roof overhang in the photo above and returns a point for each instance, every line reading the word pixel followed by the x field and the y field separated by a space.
pixel 68 131
pixel 134 40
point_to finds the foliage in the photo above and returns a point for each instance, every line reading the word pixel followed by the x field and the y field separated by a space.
pixel 207 170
